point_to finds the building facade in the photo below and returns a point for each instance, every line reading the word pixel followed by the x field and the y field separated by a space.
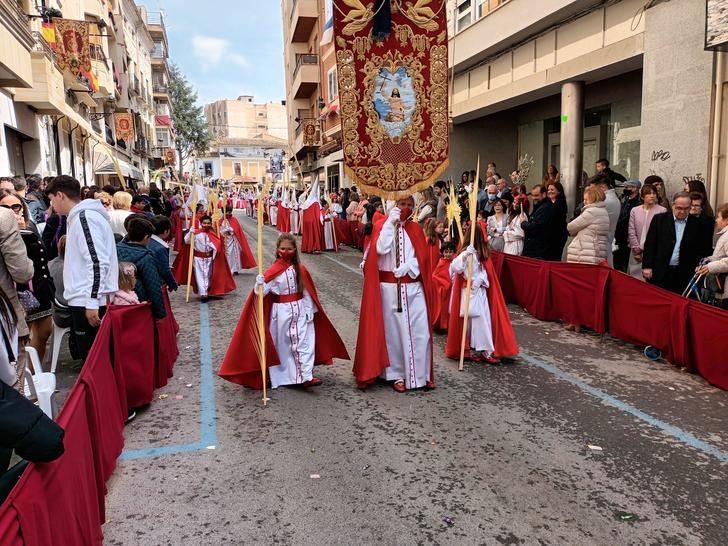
pixel 571 81
pixel 314 125
pixel 244 160
pixel 243 118
pixel 55 122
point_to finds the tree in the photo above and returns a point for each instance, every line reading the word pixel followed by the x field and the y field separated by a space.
pixel 193 135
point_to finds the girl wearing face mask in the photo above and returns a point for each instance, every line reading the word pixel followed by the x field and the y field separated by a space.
pixel 298 334
pixel 211 272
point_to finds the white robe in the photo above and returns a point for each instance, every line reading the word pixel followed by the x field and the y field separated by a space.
pixel 479 326
pixel 407 333
pixel 273 211
pixel 232 247
pixel 295 219
pixel 328 220
pixel 291 327
pixel 513 237
pixel 202 266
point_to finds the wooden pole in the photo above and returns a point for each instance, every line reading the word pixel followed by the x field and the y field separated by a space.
pixel 473 227
pixel 192 244
pixel 261 321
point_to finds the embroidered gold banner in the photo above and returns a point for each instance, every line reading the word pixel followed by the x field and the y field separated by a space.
pixel 393 95
pixel 124 122
pixel 72 46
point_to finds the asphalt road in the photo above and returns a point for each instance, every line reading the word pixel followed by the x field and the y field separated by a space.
pixel 495 455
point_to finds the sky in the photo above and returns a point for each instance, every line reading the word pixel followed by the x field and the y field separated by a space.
pixel 226 48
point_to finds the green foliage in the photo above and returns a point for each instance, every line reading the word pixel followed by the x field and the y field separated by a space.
pixel 193 136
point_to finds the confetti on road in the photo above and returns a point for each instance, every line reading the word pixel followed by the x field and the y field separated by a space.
pixel 179 397
pixel 210 447
pixel 449 521
pixel 163 396
pixel 315 476
pixel 188 385
pixel 594 448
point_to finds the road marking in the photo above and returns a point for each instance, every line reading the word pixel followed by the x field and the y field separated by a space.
pixel 667 428
pixel 208 425
pixel 676 432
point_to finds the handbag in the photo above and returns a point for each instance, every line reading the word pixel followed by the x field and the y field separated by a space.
pixel 713 286
pixel 28 301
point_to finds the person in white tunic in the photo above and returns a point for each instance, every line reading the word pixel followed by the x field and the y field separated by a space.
pixel 273 210
pixel 513 235
pixel 291 323
pixel 327 218
pixel 407 332
pixel 480 330
pixel 205 252
pixel 295 217
pixel 232 247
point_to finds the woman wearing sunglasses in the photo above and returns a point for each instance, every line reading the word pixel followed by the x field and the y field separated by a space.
pixel 37 296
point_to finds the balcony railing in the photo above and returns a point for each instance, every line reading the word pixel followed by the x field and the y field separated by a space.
pixel 155 18
pixel 160 88
pixel 41 46
pixel 302 59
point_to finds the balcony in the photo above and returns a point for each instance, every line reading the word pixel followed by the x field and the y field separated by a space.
pixel 305 76
pixel 141 146
pixel 160 89
pixel 16 43
pixel 48 94
pixel 134 86
pixel 156 26
pixel 304 16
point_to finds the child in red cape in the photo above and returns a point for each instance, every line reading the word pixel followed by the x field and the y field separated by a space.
pixel 211 274
pixel 443 285
pixel 490 333
pixel 298 332
pixel 237 250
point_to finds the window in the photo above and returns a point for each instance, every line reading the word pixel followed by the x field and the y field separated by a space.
pixel 463 15
pixel 237 169
pixel 333 84
pixel 208 168
pixel 333 174
pixel 163 138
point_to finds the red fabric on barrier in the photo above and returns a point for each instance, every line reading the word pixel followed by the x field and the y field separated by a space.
pixel 165 345
pixel 525 281
pixel 134 353
pixel 643 314
pixel 105 416
pixel 706 330
pixel 577 294
pixel 9 526
pixel 57 503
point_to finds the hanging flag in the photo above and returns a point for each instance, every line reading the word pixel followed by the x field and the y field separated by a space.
pixel 124 123
pixel 393 95
pixel 48 31
pixel 328 35
pixel 90 80
pixel 72 45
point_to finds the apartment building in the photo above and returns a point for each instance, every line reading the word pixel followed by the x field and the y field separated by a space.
pixel 244 160
pixel 243 118
pixel 55 122
pixel 314 125
pixel 571 81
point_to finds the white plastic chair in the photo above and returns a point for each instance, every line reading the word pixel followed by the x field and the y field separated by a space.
pixel 40 386
pixel 58 334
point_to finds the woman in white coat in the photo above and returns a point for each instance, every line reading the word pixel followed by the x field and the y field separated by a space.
pixel 718 262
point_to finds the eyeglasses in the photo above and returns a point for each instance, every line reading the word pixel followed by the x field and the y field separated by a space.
pixel 16 208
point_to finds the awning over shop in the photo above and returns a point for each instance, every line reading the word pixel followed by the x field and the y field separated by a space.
pixel 104 165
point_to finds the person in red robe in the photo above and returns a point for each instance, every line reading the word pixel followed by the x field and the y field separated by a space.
pixel 490 333
pixel 395 328
pixel 443 286
pixel 313 230
pixel 298 333
pixel 237 250
pixel 211 276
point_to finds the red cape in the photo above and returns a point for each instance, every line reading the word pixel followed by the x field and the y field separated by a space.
pixel 284 218
pixel 246 256
pixel 443 288
pixel 313 231
pixel 504 339
pixel 241 364
pixel 222 280
pixel 343 232
pixel 371 348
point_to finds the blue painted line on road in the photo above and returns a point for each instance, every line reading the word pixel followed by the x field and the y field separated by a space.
pixel 208 425
pixel 677 433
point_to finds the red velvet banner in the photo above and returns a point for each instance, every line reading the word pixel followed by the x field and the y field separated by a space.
pixel 393 95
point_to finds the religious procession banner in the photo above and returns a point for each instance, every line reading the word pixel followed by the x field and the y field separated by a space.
pixel 72 45
pixel 124 123
pixel 393 92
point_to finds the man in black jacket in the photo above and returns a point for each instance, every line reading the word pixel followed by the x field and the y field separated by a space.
pixel 675 244
pixel 539 229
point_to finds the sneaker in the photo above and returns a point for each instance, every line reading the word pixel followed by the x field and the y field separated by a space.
pixel 430 385
pixel 491 360
pixel 399 386
pixel 314 382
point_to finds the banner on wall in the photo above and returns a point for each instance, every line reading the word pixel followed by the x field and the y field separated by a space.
pixel 124 123
pixel 393 94
pixel 72 45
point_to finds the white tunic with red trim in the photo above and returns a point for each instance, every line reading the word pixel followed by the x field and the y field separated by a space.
pixel 407 333
pixel 293 332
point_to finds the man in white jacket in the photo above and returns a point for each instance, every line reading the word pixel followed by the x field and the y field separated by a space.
pixel 90 270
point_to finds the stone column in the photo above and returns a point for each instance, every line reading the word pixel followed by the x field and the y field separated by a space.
pixel 572 139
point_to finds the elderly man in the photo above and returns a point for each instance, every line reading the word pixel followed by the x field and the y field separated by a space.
pixel 504 190
pixel 539 229
pixel 491 196
pixel 675 244
pixel 395 330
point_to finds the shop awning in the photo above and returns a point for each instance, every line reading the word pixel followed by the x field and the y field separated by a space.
pixel 104 165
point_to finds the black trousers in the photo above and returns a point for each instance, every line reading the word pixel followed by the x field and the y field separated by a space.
pixel 83 333
pixel 675 280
